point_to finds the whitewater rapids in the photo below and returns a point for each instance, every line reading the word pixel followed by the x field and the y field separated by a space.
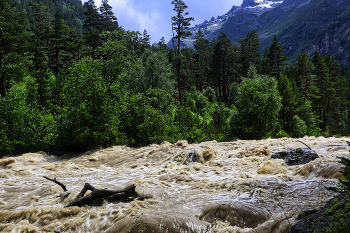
pixel 232 187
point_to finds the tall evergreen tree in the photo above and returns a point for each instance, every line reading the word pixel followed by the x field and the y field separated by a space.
pixel 93 18
pixel 266 66
pixel 109 21
pixel 12 36
pixel 220 65
pixel 201 46
pixel 276 56
pixel 39 89
pixel 92 25
pixel 146 39
pixel 57 34
pixel 321 83
pixel 304 75
pixel 180 23
pixel 250 51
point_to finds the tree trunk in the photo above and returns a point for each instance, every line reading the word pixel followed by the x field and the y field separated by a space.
pixel 2 79
pixel 109 195
pixel 96 197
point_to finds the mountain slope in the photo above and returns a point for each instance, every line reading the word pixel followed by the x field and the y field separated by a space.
pixel 335 39
pixel 300 25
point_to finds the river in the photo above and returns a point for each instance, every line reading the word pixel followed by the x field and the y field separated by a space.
pixel 233 187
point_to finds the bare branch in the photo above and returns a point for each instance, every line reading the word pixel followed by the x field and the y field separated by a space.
pixel 304 144
pixel 57 182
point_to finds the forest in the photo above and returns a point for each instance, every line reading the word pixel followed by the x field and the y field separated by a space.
pixel 72 79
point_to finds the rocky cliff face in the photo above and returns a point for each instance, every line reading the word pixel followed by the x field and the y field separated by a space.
pixel 300 25
pixel 335 40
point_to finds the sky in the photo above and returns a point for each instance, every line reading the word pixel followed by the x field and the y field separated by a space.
pixel 155 15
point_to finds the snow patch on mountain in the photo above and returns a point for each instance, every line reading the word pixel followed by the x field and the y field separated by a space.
pixel 265 4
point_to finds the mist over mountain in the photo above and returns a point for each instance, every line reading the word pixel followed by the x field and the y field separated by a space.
pixel 300 25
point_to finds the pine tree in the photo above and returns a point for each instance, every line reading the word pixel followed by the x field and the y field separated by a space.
pixel 276 56
pixel 57 34
pixel 335 113
pixel 250 51
pixel 201 46
pixel 321 83
pixel 287 90
pixel 92 25
pixel 109 21
pixel 93 18
pixel 161 45
pixel 220 65
pixel 12 36
pixel 180 24
pixel 146 39
pixel 39 91
pixel 266 66
pixel 304 77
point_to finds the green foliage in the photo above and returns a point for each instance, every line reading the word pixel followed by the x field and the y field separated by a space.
pixel 23 127
pixel 12 38
pixel 250 51
pixel 89 118
pixel 73 80
pixel 147 118
pixel 258 104
pixel 299 127
pixel 275 57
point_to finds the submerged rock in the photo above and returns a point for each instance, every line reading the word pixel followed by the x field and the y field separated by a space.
pixel 191 156
pixel 237 214
pixel 296 156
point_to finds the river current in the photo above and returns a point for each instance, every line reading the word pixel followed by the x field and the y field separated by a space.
pixel 231 187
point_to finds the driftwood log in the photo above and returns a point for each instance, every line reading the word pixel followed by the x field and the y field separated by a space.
pixel 97 196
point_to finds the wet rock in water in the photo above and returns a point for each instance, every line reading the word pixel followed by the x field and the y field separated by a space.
pixel 187 157
pixel 325 218
pixel 237 214
pixel 296 156
pixel 190 156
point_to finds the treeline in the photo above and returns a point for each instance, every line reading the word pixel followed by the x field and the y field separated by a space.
pixel 62 90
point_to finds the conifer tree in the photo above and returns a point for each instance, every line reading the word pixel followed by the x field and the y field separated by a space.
pixel 220 65
pixel 58 31
pixel 250 51
pixel 162 44
pixel 201 45
pixel 109 21
pixel 266 66
pixel 92 25
pixel 321 83
pixel 180 23
pixel 304 77
pixel 146 39
pixel 93 18
pixel 39 91
pixel 12 37
pixel 276 56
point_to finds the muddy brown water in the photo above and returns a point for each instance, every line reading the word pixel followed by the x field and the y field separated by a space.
pixel 233 187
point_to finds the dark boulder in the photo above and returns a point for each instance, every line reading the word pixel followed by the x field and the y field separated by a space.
pixel 296 156
pixel 335 213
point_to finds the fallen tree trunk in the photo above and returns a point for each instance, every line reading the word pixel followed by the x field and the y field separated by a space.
pixel 126 194
pixel 96 197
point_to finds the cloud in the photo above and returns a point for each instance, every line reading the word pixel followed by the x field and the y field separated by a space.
pixel 155 15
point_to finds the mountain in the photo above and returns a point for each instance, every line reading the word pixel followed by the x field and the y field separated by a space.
pixel 300 25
